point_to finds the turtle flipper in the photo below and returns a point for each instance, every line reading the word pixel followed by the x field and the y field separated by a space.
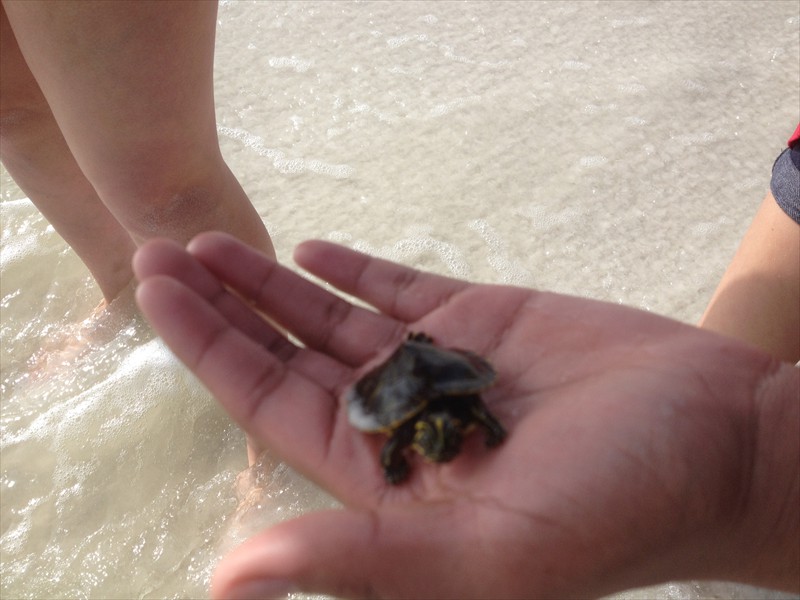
pixel 495 432
pixel 394 463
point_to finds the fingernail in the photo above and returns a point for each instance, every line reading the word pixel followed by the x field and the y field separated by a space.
pixel 260 589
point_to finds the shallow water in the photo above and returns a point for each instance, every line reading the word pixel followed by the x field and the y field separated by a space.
pixel 614 150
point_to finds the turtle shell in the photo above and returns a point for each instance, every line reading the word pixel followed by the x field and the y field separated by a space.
pixel 416 373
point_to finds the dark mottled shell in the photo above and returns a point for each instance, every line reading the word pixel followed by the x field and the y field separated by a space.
pixel 415 374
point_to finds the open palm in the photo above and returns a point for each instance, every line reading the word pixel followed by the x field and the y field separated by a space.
pixel 613 473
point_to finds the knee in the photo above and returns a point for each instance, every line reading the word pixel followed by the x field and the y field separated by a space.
pixel 172 209
pixel 154 174
pixel 25 123
pixel 24 111
pixel 177 213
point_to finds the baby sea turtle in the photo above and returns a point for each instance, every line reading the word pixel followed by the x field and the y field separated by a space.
pixel 425 397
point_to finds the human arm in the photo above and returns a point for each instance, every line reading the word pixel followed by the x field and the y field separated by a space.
pixel 639 448
pixel 758 297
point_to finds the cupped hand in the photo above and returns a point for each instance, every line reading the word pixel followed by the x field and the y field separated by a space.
pixel 622 459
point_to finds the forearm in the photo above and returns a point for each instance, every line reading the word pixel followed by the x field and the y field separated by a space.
pixel 758 297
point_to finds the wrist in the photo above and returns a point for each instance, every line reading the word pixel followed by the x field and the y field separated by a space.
pixel 770 525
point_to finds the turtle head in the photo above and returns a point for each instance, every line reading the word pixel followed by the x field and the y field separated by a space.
pixel 438 436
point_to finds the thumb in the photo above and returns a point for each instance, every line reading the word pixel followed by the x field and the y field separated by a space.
pixel 345 553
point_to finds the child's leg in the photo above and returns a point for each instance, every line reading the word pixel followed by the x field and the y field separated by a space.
pixel 131 87
pixel 37 157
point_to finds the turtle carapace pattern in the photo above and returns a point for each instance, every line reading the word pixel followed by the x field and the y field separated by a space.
pixel 424 397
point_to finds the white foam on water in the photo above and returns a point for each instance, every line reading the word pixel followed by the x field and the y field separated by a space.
pixel 575 65
pixel 510 271
pixel 419 246
pixel 287 165
pixel 593 161
pixel 441 110
pixel 294 63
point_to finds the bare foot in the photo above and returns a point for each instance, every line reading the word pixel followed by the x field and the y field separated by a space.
pixel 270 492
pixel 105 322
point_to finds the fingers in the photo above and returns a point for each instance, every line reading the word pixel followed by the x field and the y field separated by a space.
pixel 165 257
pixel 266 397
pixel 274 390
pixel 321 320
pixel 351 554
pixel 270 397
pixel 201 338
pixel 395 290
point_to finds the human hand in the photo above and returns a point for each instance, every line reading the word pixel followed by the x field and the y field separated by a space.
pixel 629 436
